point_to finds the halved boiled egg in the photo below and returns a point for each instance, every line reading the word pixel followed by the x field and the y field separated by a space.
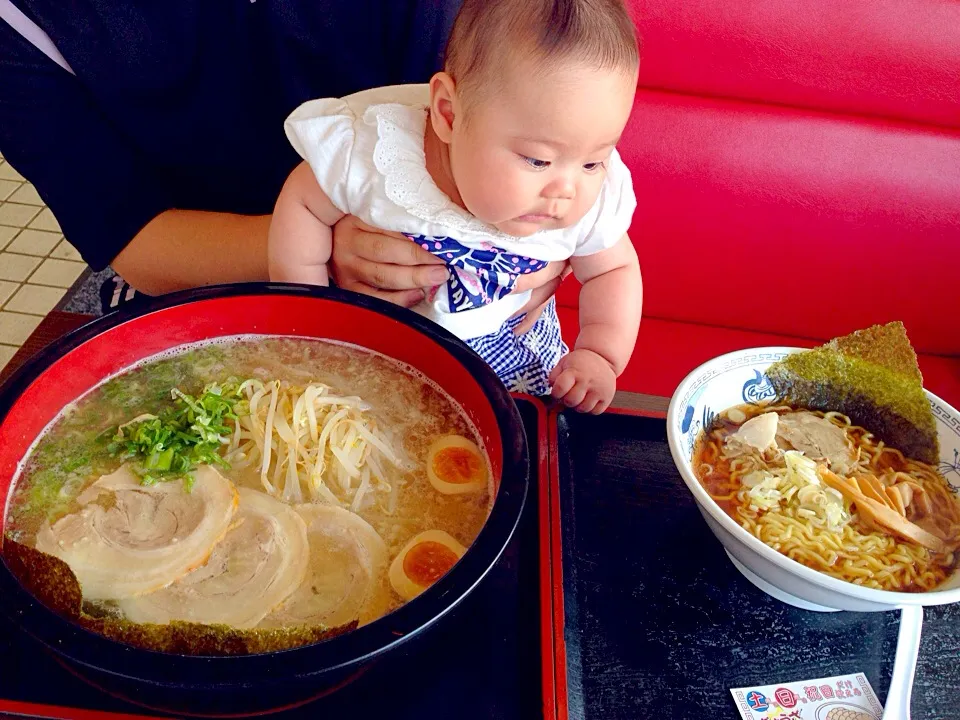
pixel 423 561
pixel 455 465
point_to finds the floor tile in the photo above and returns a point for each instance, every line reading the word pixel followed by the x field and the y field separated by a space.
pixel 7 234
pixel 6 352
pixel 17 215
pixel 8 188
pixel 8 173
pixel 6 290
pixel 27 194
pixel 18 267
pixel 46 221
pixel 15 328
pixel 63 251
pixel 35 299
pixel 61 273
pixel 35 242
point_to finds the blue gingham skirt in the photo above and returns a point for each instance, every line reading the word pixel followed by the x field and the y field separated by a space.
pixel 524 362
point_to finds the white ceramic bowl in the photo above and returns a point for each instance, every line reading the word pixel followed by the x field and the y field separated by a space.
pixel 738 378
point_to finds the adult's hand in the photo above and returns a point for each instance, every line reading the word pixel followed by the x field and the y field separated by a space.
pixel 384 264
pixel 389 266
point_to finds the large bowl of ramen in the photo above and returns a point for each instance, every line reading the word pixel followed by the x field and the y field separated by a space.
pixel 785 528
pixel 232 499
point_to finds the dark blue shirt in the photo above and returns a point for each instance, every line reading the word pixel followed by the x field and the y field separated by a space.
pixel 180 103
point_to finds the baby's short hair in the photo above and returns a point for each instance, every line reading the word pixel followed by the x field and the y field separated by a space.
pixel 487 33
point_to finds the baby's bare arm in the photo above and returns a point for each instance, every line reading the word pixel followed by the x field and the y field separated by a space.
pixel 610 302
pixel 300 240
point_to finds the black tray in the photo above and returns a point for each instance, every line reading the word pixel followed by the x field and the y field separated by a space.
pixel 659 623
pixel 484 662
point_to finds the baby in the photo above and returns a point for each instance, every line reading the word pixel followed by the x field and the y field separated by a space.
pixel 505 162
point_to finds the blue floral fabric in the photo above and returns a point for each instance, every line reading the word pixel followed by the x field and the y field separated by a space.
pixel 480 276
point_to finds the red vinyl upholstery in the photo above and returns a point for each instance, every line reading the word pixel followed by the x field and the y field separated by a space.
pixel 667 350
pixel 797 171
pixel 888 58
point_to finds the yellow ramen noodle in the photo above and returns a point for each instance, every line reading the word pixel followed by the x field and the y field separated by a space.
pixel 853 552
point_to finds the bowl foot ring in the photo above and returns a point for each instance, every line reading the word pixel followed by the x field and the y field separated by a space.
pixel 775 592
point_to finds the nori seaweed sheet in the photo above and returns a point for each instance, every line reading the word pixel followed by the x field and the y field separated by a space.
pixel 872 377
pixel 52 582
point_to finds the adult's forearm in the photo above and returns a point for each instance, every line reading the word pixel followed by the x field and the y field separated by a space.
pixel 181 249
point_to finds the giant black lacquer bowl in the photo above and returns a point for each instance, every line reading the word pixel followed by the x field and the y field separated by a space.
pixel 249 684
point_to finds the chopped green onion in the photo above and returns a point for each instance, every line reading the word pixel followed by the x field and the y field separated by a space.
pixel 173 443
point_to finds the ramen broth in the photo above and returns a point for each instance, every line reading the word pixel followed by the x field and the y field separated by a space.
pixel 74 452
pixel 852 552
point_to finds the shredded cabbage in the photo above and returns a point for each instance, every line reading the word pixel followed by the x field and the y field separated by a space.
pixel 797 486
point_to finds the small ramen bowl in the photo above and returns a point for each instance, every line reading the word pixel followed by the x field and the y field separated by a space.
pixel 738 378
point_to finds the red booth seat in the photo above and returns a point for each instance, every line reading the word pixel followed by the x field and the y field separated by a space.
pixel 667 350
pixel 797 172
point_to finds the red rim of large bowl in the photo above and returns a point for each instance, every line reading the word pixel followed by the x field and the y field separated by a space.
pixel 80 360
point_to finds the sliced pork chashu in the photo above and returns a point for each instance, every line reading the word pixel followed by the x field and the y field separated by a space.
pixel 260 562
pixel 346 577
pixel 818 439
pixel 128 539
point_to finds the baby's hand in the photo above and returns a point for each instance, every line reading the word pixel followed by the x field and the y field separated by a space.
pixel 584 380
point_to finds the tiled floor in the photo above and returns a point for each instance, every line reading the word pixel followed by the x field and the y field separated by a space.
pixel 37 265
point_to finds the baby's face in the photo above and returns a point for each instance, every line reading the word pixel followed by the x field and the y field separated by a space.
pixel 533 153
